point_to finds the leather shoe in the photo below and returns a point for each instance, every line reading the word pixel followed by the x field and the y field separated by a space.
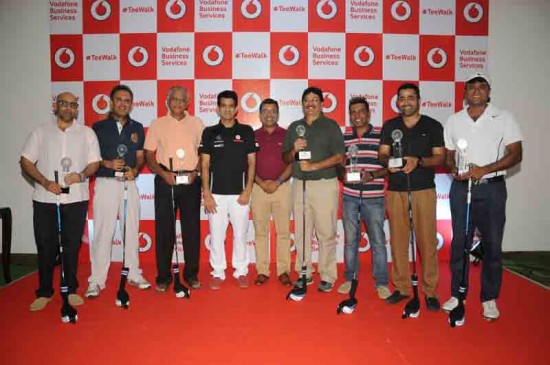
pixel 285 279
pixel 194 283
pixel 396 297
pixel 261 279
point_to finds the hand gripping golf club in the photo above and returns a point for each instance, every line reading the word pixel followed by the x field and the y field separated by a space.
pixel 457 316
pixel 68 312
pixel 348 306
pixel 299 291
pixel 181 290
pixel 412 308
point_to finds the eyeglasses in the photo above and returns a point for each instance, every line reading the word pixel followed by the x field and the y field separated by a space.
pixel 65 104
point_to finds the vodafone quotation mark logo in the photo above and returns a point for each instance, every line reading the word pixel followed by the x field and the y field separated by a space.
pixel 326 9
pixel 330 102
pixel 393 104
pixel 175 9
pixel 401 11
pixel 289 55
pixel 473 12
pixel 101 10
pixel 437 58
pixel 145 242
pixel 138 56
pixel 363 56
pixel 101 104
pixel 212 55
pixel 251 9
pixel 250 102
pixel 64 57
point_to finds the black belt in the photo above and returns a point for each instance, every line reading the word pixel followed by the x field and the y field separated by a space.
pixel 176 171
pixel 489 180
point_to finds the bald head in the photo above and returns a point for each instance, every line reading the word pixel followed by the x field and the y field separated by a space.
pixel 66 107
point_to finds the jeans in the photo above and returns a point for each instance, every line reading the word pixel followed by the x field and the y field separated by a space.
pixel 488 214
pixel 372 212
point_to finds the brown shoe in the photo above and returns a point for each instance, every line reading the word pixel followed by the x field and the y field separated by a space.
pixel 261 279
pixel 194 283
pixel 39 304
pixel 75 300
pixel 161 287
pixel 285 279
pixel 215 283
pixel 242 281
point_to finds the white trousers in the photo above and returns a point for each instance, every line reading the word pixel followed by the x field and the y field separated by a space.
pixel 228 210
pixel 108 204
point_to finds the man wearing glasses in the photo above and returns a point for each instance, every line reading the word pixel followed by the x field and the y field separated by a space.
pixel 176 137
pixel 271 195
pixel 121 144
pixel 72 150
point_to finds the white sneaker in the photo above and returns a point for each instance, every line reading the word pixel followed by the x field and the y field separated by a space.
pixel 345 287
pixel 383 291
pixel 93 291
pixel 490 310
pixel 450 304
pixel 141 283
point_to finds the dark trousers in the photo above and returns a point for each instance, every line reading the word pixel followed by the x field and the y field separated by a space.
pixel 73 218
pixel 187 200
pixel 488 214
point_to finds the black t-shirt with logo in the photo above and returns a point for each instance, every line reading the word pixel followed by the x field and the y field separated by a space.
pixel 417 141
pixel 228 149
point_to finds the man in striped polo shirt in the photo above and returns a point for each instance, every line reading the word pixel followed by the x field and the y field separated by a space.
pixel 367 192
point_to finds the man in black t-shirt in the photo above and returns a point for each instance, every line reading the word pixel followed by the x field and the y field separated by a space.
pixel 423 150
pixel 228 162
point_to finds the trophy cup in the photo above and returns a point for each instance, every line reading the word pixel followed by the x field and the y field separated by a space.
pixel 302 155
pixel 121 151
pixel 181 178
pixel 396 160
pixel 66 163
pixel 461 162
pixel 353 175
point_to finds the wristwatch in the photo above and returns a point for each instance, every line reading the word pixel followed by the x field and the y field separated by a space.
pixel 420 161
pixel 83 177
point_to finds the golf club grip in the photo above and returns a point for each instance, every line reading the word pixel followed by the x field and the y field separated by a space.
pixel 56 176
pixel 170 162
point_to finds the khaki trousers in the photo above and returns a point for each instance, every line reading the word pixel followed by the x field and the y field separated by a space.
pixel 264 206
pixel 424 221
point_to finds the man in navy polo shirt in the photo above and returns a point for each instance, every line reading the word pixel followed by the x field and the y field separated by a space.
pixel 228 162
pixel 118 169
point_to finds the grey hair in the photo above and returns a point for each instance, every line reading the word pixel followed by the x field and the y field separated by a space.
pixel 176 88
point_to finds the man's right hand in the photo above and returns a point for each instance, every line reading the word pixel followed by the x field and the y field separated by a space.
pixel 52 187
pixel 300 144
pixel 209 204
pixel 169 177
pixel 116 164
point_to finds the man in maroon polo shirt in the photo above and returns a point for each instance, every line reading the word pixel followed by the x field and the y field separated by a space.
pixel 271 195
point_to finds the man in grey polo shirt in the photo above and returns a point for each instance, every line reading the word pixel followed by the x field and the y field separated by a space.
pixel 493 144
pixel 324 141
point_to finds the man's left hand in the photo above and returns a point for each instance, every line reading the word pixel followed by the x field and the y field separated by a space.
pixel 477 172
pixel 130 174
pixel 244 197
pixel 72 178
pixel 412 163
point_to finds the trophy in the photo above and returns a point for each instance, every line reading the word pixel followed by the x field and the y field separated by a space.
pixel 66 163
pixel 302 155
pixel 354 175
pixel 121 151
pixel 396 160
pixel 181 178
pixel 461 162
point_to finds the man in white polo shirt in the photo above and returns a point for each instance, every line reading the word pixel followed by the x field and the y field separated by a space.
pixel 493 145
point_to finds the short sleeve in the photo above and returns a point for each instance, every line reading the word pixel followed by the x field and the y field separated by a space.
pixel 288 143
pixel 141 137
pixel 205 147
pixel 94 154
pixel 447 133
pixel 151 140
pixel 337 145
pixel 251 144
pixel 512 132
pixel 32 147
pixel 436 134
pixel 386 134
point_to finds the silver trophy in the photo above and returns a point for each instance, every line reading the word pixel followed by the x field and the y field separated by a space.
pixel 66 163
pixel 181 178
pixel 354 174
pixel 396 160
pixel 461 159
pixel 121 151
pixel 302 155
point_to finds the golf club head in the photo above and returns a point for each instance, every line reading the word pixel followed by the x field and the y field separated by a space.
pixel 457 316
pixel 68 314
pixel 412 309
pixel 181 290
pixel 297 293
pixel 122 298
pixel 346 306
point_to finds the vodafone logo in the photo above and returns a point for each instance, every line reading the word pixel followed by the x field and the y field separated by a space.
pixel 440 241
pixel 393 104
pixel 473 12
pixel 101 104
pixel 138 56
pixel 330 102
pixel 401 11
pixel 212 55
pixel 251 9
pixel 289 55
pixel 250 102
pixel 208 242
pixel 365 237
pixel 326 9
pixel 175 9
pixel 363 56
pixel 64 57
pixel 437 58
pixel 101 10
pixel 145 242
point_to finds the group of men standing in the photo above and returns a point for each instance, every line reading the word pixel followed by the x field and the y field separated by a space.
pixel 239 169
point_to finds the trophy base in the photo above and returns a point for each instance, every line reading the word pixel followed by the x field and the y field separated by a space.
pixel 182 180
pixel 353 177
pixel 65 190
pixel 303 156
pixel 395 163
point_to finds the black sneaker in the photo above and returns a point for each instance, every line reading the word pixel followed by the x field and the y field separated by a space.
pixel 299 283
pixel 325 286
pixel 432 304
pixel 395 297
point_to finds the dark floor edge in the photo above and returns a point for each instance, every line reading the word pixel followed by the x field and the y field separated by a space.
pixel 526 278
